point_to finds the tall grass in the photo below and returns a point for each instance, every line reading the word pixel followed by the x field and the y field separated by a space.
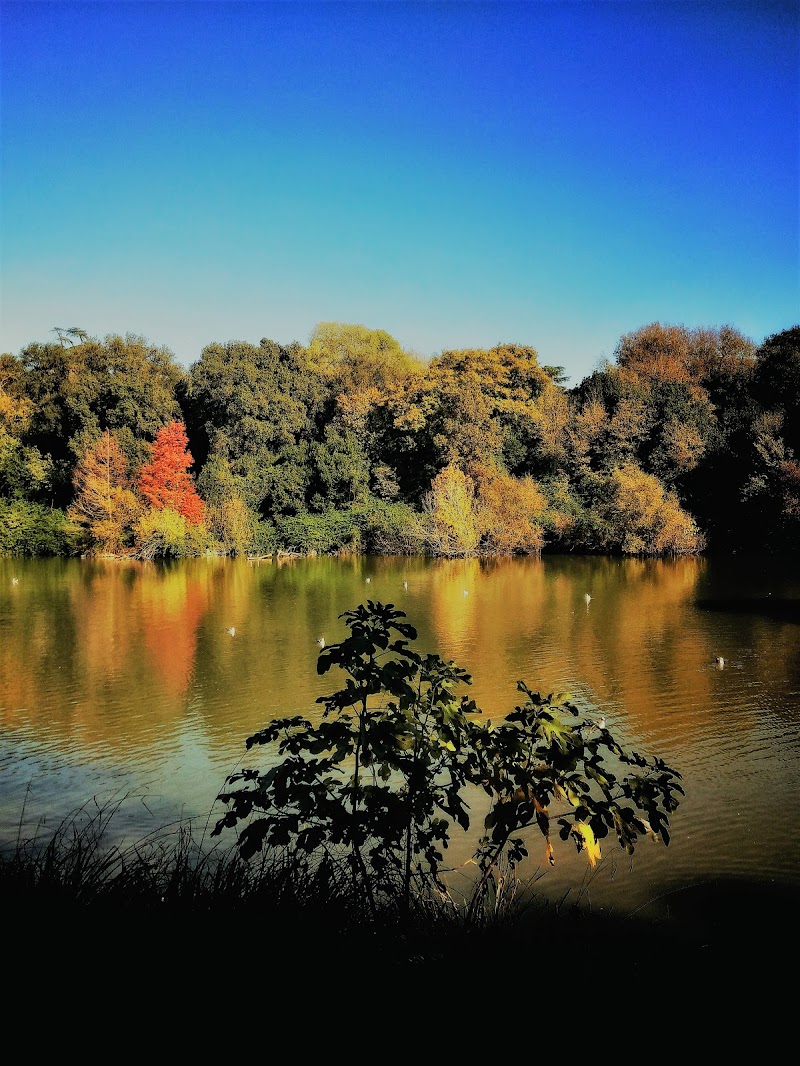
pixel 171 881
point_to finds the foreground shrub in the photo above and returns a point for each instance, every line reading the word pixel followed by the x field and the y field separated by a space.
pixel 373 792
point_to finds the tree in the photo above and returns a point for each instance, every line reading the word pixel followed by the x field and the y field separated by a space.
pixel 256 408
pixel 24 472
pixel 510 514
pixel 104 508
pixel 342 468
pixel 122 384
pixel 377 786
pixel 643 518
pixel 487 408
pixel 451 522
pixel 165 481
pixel 73 334
pixel 352 357
pixel 776 381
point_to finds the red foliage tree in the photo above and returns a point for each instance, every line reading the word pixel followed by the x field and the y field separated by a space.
pixel 165 481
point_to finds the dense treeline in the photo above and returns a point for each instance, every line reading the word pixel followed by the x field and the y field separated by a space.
pixel 686 441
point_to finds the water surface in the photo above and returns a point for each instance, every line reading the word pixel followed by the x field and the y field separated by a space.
pixel 121 682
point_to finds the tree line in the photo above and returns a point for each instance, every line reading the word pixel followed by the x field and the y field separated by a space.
pixel 686 441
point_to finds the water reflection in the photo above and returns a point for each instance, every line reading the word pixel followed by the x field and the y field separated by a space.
pixel 125 676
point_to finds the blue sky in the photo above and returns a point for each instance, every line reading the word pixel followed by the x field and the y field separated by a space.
pixel 553 173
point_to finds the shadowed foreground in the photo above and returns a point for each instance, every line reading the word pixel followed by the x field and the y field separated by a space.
pixel 731 936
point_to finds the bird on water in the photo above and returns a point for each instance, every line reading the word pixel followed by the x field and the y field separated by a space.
pixel 588 599
pixel 719 661
pixel 232 631
pixel 321 641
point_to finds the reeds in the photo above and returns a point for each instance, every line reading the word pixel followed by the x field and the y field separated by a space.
pixel 172 882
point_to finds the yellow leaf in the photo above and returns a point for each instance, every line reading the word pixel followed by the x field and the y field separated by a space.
pixel 648 828
pixel 589 844
pixel 548 851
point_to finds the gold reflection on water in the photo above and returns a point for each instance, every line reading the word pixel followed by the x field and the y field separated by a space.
pixel 530 620
pixel 118 650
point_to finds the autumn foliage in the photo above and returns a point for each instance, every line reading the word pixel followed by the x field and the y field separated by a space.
pixel 687 438
pixel 165 482
pixel 104 506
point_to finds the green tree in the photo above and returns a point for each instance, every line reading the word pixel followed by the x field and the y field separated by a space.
pixel 380 782
pixel 124 385
pixel 360 369
pixel 255 407
pixel 474 408
pixel 24 472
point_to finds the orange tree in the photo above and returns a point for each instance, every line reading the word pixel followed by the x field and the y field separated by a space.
pixel 165 482
pixel 373 791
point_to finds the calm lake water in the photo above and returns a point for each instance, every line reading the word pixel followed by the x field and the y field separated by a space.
pixel 121 683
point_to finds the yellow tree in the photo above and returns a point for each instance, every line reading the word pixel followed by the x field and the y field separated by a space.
pixel 510 512
pixel 104 508
pixel 354 357
pixel 642 518
pixel 450 518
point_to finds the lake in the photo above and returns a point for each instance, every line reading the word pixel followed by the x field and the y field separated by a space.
pixel 122 684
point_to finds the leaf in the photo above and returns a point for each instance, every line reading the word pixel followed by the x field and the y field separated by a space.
pixel 587 842
pixel 548 851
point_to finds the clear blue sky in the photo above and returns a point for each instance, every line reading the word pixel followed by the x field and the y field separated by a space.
pixel 553 173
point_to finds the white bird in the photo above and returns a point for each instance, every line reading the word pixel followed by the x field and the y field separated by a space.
pixel 466 593
pixel 321 641
pixel 405 584
pixel 232 630
pixel 14 580
pixel 719 661
pixel 588 599
pixel 368 580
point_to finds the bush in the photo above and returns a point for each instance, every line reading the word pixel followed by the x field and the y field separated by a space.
pixel 450 514
pixel 390 528
pixel 510 514
pixel 320 534
pixel 642 518
pixel 161 534
pixel 28 528
pixel 375 526
pixel 370 795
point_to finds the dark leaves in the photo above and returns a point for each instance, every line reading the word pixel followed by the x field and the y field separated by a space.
pixel 381 779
